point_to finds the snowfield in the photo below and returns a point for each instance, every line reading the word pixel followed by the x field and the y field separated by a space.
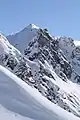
pixel 7 115
pixel 19 101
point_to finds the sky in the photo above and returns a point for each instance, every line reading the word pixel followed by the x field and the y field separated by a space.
pixel 61 17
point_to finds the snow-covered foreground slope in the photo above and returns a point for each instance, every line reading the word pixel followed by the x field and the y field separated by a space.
pixel 19 101
pixel 5 114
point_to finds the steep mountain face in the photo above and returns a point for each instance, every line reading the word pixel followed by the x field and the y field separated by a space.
pixel 48 64
pixel 71 49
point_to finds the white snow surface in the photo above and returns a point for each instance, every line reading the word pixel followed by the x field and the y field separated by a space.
pixel 77 42
pixel 19 101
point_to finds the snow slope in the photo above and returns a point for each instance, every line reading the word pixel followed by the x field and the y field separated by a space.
pixel 5 114
pixel 18 101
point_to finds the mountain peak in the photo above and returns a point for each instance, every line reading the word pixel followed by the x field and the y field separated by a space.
pixel 27 34
pixel 32 26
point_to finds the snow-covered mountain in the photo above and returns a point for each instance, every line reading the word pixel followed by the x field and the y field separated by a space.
pixel 50 65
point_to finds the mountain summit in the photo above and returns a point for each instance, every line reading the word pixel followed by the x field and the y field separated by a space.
pixel 22 38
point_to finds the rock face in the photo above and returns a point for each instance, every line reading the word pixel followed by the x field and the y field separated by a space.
pixel 49 64
pixel 51 61
pixel 71 51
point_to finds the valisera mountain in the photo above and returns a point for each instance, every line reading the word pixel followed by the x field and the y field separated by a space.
pixel 49 64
